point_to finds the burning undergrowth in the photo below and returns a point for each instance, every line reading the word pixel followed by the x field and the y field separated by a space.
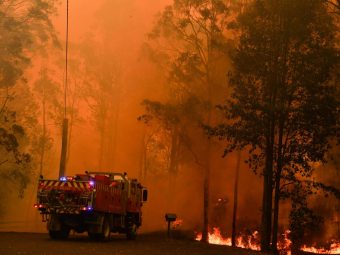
pixel 252 241
pixel 243 241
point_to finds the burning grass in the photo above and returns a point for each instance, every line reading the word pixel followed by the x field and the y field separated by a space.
pixel 334 248
pixel 252 242
pixel 247 242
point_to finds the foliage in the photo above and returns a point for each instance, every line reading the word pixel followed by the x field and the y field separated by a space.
pixel 303 221
pixel 14 163
pixel 25 28
pixel 102 91
pixel 305 100
pixel 193 36
pixel 170 128
pixel 283 106
pixel 334 6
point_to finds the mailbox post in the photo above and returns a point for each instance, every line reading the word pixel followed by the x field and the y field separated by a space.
pixel 170 217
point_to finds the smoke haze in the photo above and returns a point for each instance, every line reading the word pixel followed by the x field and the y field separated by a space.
pixel 113 33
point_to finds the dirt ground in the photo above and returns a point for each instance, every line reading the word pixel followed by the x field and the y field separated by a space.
pixel 146 244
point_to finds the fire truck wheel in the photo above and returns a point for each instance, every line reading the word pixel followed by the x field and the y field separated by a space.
pixel 131 233
pixel 105 235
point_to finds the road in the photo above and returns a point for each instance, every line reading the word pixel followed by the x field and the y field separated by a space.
pixel 146 244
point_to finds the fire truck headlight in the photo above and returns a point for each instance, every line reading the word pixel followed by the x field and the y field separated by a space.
pixel 91 183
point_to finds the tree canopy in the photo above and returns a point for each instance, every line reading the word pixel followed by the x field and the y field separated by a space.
pixel 25 28
pixel 283 105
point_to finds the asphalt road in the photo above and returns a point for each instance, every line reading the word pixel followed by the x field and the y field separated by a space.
pixel 146 244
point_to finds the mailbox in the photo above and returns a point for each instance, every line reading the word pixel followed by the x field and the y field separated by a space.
pixel 170 217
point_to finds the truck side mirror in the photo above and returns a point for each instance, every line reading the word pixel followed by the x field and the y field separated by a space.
pixel 145 195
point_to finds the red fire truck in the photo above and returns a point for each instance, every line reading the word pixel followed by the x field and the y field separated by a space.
pixel 96 202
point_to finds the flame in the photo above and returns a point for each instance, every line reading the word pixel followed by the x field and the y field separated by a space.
pixel 251 242
pixel 177 224
pixel 334 249
pixel 248 242
pixel 284 243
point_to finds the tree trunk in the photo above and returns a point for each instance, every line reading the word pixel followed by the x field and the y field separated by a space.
pixel 237 172
pixel 42 153
pixel 101 150
pixel 173 166
pixel 267 192
pixel 281 76
pixel 142 157
pixel 266 231
pixel 276 213
pixel 206 187
pixel 277 195
pixel 266 213
pixel 112 130
pixel 102 124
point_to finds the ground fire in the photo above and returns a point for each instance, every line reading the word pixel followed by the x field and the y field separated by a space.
pixel 215 237
pixel 252 242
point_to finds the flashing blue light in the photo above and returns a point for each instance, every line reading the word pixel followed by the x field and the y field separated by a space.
pixel 91 183
pixel 89 208
pixel 63 179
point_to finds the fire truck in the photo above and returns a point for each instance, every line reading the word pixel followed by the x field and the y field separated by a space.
pixel 95 202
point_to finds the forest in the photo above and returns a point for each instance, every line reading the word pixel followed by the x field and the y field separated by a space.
pixel 227 110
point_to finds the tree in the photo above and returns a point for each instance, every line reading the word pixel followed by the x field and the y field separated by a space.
pixel 335 5
pixel 171 136
pixel 283 105
pixel 23 25
pixel 167 120
pixel 102 90
pixel 237 173
pixel 301 217
pixel 49 96
pixel 25 28
pixel 193 34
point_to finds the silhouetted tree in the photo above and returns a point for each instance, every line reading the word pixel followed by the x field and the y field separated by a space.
pixel 283 105
pixel 25 28
pixel 171 138
pixel 191 36
pixel 102 90
pixel 302 219
pixel 49 99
